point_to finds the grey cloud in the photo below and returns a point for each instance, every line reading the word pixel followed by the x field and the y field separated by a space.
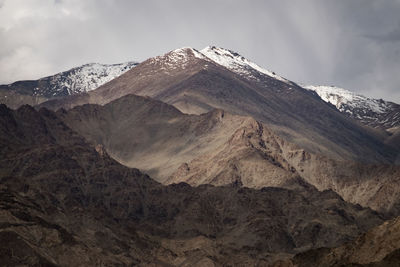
pixel 393 36
pixel 314 42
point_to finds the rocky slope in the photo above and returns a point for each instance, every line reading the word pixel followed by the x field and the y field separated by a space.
pixel 74 81
pixel 195 83
pixel 373 112
pixel 64 203
pixel 379 247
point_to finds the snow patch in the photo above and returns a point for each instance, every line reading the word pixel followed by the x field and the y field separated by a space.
pixel 177 59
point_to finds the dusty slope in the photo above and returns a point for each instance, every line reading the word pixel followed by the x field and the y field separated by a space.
pixel 219 148
pixel 194 84
pixel 63 203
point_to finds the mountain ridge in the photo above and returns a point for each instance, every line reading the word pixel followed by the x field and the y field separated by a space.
pixel 376 113
pixel 196 85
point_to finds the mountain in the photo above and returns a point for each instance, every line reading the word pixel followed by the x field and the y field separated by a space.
pixel 249 168
pixel 373 112
pixel 74 81
pixel 379 247
pixel 66 202
pixel 308 137
pixel 194 83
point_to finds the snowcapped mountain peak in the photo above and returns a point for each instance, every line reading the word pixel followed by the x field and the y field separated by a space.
pixel 187 51
pixel 237 63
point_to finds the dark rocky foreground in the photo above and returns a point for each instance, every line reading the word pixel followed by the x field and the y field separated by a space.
pixel 64 203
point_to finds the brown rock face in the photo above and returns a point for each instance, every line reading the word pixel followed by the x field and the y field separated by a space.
pixel 64 204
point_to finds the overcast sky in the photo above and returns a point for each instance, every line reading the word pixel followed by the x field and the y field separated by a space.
pixel 352 44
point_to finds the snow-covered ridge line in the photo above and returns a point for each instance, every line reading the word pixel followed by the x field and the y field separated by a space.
pixel 87 77
pixel 77 80
pixel 341 98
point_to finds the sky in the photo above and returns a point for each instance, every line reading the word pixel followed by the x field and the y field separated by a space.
pixel 351 44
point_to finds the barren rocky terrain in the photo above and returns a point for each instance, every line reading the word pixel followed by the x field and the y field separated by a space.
pixel 66 203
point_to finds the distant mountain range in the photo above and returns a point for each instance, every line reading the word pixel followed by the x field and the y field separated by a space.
pixel 377 113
